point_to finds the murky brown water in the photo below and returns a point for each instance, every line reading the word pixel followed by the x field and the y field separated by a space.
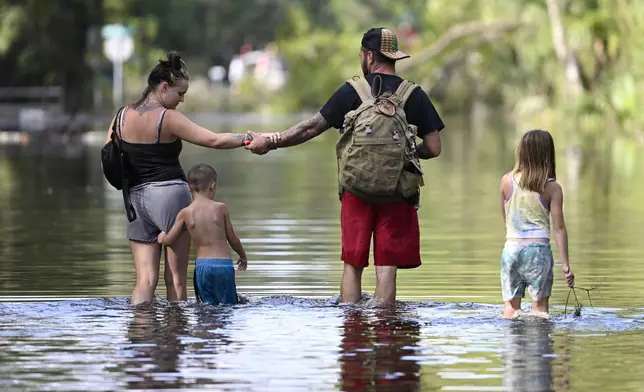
pixel 66 273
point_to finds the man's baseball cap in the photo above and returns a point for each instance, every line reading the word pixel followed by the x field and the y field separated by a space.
pixel 383 41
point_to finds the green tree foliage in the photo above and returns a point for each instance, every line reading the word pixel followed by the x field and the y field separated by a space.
pixel 44 43
pixel 502 51
pixel 541 59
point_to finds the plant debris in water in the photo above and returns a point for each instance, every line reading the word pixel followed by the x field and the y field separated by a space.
pixel 578 305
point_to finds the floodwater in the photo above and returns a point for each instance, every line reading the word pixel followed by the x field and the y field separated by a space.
pixel 66 275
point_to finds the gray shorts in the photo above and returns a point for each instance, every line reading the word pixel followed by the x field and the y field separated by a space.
pixel 157 205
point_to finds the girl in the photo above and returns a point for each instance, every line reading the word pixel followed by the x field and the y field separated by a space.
pixel 529 195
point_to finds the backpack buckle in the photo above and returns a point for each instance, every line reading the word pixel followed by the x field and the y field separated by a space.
pixel 344 127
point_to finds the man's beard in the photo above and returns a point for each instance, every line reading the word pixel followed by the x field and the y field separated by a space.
pixel 364 66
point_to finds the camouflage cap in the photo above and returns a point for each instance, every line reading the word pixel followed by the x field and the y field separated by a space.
pixel 383 41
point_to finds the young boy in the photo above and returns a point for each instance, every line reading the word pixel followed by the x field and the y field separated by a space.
pixel 211 230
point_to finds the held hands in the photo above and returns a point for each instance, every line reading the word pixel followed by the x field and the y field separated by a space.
pixel 242 264
pixel 261 143
pixel 569 276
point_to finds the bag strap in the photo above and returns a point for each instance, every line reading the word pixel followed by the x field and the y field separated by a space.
pixel 404 91
pixel 159 124
pixel 116 126
pixel 362 87
pixel 129 208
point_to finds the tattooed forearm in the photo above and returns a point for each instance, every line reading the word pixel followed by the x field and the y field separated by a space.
pixel 229 140
pixel 303 131
pixel 238 137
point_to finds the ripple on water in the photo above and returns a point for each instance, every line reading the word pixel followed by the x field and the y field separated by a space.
pixel 288 343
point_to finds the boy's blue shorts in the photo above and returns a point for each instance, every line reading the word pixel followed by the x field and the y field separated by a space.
pixel 214 281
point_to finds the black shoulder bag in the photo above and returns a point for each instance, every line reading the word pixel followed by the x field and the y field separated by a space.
pixel 113 164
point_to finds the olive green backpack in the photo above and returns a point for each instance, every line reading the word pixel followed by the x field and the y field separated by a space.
pixel 376 152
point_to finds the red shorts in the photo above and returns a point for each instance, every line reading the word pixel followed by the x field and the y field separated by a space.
pixel 396 236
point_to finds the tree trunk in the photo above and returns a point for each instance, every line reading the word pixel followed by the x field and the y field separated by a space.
pixel 75 72
pixel 574 86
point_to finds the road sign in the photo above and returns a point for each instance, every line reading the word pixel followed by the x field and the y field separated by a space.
pixel 118 44
pixel 116 30
pixel 118 50
pixel 118 47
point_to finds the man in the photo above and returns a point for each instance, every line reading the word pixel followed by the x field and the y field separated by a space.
pixel 394 225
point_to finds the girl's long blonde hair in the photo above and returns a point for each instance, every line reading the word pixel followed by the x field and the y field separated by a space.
pixel 535 160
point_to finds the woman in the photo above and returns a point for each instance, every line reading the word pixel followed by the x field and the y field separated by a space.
pixel 151 133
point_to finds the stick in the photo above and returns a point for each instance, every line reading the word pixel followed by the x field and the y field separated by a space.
pixel 566 306
pixel 578 305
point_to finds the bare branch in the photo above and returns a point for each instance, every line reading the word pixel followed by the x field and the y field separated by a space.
pixel 578 305
pixel 457 32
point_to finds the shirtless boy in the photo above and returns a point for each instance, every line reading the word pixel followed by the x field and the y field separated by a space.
pixel 211 230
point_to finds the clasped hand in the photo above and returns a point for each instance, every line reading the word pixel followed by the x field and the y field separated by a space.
pixel 261 143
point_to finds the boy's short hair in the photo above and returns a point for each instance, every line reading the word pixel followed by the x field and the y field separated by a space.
pixel 200 177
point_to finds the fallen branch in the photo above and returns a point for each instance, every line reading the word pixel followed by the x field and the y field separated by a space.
pixel 578 305
pixel 455 33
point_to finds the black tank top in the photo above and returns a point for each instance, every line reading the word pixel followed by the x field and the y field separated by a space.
pixel 152 162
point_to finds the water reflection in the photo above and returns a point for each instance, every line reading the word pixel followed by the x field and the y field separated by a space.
pixel 530 358
pixel 290 344
pixel 209 337
pixel 154 334
pixel 174 346
pixel 373 351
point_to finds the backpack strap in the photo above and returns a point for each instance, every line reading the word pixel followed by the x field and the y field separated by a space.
pixel 362 87
pixel 404 91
